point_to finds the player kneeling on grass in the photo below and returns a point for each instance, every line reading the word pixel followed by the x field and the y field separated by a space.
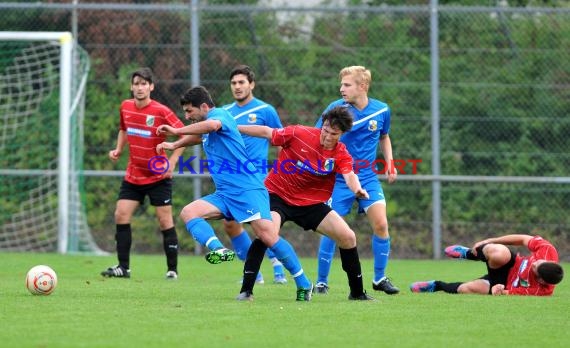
pixel 301 182
pixel 507 273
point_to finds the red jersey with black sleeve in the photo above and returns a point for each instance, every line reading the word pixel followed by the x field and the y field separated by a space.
pixel 140 126
pixel 521 280
pixel 304 173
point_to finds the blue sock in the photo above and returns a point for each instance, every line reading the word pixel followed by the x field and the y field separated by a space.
pixel 285 253
pixel 270 254
pixel 203 233
pixel 278 270
pixel 381 252
pixel 325 258
pixel 277 265
pixel 241 244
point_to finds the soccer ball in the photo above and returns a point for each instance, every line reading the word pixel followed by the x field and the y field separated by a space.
pixel 41 280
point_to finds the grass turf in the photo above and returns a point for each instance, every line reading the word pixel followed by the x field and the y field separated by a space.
pixel 199 309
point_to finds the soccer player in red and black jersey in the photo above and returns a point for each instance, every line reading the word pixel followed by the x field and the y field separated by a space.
pixel 148 173
pixel 507 273
pixel 300 183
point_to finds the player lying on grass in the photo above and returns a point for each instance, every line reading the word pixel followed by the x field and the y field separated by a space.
pixel 301 182
pixel 507 273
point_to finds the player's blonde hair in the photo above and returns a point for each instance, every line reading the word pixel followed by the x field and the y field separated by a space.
pixel 361 74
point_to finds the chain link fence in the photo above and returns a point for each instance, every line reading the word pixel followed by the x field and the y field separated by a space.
pixel 489 133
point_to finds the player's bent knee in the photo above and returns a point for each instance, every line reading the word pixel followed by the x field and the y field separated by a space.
pixel 346 240
pixel 497 255
pixel 263 229
pixel 165 223
pixel 382 233
pixel 232 228
pixel 121 217
pixel 186 214
pixel 268 238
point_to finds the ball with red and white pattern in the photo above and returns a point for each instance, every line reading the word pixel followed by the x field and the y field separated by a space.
pixel 41 280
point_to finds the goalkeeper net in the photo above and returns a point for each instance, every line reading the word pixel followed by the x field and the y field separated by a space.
pixel 42 92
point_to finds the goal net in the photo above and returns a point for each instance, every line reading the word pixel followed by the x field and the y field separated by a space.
pixel 42 93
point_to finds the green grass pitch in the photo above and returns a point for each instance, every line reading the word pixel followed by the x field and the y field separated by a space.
pixel 199 309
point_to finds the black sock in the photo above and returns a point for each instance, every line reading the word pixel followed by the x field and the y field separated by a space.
pixel 450 288
pixel 123 238
pixel 351 265
pixel 480 255
pixel 252 264
pixel 469 256
pixel 170 245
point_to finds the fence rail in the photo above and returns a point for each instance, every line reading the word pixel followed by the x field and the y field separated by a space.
pixel 481 94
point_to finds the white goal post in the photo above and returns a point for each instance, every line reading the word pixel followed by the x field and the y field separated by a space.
pixel 29 71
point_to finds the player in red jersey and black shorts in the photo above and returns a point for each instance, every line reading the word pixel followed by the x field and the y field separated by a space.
pixel 299 184
pixel 507 273
pixel 148 172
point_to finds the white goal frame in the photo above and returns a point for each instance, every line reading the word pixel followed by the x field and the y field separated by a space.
pixel 66 43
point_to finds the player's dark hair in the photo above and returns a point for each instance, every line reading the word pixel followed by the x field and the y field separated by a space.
pixel 550 272
pixel 197 96
pixel 339 117
pixel 243 70
pixel 143 73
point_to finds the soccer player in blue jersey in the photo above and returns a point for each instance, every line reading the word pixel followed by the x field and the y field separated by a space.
pixel 239 195
pixel 248 110
pixel 370 127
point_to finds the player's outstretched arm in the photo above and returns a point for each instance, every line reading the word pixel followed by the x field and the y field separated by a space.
pixel 353 184
pixel 197 128
pixel 510 239
pixel 257 131
pixel 178 144
pixel 165 130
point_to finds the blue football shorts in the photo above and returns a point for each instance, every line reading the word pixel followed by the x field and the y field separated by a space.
pixel 342 197
pixel 244 207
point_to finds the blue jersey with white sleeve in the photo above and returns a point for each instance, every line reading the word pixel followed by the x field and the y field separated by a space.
pixel 362 140
pixel 227 159
pixel 256 112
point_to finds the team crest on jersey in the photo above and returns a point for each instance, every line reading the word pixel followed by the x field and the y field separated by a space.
pixel 329 165
pixel 519 280
pixel 372 125
pixel 251 118
pixel 150 120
